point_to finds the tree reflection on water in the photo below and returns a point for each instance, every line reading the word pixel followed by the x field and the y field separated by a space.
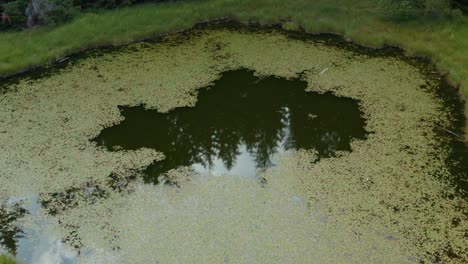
pixel 240 119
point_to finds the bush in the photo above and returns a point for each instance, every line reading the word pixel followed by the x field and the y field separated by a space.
pixel 12 14
pixel 17 14
pixel 62 11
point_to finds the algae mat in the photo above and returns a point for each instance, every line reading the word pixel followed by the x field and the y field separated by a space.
pixel 388 200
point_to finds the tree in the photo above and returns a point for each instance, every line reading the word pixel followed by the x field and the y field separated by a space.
pixel 16 14
pixel 12 13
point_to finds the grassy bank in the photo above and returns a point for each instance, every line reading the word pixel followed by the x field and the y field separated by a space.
pixel 445 42
pixel 5 259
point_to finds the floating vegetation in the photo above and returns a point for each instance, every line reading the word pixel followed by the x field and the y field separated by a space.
pixel 391 198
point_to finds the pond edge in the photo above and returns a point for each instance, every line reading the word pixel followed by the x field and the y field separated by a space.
pixel 251 22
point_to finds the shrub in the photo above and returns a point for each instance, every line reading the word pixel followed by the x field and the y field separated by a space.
pixel 16 14
pixel 13 14
pixel 62 11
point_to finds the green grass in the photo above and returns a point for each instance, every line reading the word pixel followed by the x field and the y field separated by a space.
pixel 5 259
pixel 445 42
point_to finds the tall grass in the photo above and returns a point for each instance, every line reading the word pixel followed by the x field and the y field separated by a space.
pixel 446 42
pixel 5 259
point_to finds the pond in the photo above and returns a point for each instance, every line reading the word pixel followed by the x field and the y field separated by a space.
pixel 229 143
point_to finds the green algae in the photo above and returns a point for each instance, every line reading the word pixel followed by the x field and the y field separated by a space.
pixel 387 200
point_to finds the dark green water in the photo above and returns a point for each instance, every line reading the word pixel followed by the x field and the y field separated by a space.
pixel 238 125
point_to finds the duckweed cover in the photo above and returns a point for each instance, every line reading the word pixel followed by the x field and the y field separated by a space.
pixel 390 199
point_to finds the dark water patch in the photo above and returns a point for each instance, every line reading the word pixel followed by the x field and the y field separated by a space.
pixel 458 164
pixel 451 136
pixel 238 125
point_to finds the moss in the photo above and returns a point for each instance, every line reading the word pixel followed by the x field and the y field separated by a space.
pixel 379 202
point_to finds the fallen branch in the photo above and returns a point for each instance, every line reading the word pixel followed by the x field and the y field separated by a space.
pixel 322 72
pixel 451 132
pixel 64 59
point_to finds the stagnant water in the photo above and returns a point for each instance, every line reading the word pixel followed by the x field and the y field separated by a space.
pixel 238 125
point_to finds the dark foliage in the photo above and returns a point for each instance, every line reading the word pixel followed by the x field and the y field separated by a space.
pixel 461 5
pixel 18 14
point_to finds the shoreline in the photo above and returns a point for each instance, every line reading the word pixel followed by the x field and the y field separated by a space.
pixel 56 63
